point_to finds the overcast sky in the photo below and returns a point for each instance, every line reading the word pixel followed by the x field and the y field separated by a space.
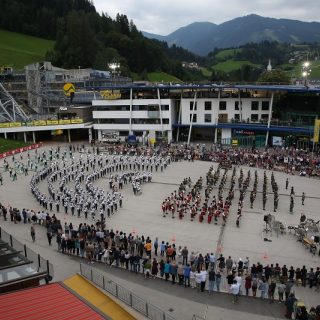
pixel 165 16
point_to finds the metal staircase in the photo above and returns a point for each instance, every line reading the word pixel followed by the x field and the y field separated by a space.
pixel 10 111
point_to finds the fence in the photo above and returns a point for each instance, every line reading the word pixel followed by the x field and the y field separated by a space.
pixel 38 262
pixel 145 308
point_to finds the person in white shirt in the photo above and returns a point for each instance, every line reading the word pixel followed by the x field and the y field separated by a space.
pixel 239 281
pixel 234 290
pixel 192 279
pixel 203 274
pixel 198 277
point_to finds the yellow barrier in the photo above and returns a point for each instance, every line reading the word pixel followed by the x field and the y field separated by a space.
pixel 316 131
pixel 51 122
pixel 15 124
pixel 5 125
pixel 64 121
pixel 76 120
pixel 40 123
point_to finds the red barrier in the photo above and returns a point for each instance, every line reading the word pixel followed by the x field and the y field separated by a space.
pixel 19 150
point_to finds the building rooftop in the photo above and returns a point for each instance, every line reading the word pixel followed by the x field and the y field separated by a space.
pixel 19 265
pixel 213 86
pixel 51 301
pixel 14 265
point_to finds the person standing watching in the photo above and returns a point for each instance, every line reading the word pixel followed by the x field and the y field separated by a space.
pixel 33 233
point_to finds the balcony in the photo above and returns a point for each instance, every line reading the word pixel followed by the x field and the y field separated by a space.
pixel 264 122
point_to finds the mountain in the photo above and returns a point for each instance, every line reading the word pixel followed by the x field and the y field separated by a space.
pixel 154 36
pixel 189 37
pixel 202 37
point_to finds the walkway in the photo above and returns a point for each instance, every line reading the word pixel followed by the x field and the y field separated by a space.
pixel 166 296
pixel 101 301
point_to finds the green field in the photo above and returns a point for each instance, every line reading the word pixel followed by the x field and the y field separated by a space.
pixel 287 67
pixel 231 65
pixel 156 77
pixel 162 77
pixel 18 50
pixel 7 145
pixel 206 72
pixel 226 54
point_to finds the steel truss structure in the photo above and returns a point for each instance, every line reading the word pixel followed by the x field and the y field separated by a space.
pixel 10 111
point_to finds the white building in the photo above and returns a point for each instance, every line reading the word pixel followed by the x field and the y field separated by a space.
pixel 135 114
pixel 162 109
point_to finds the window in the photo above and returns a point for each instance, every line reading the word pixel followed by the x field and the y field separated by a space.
pixel 223 105
pixel 194 117
pixel 236 105
pixel 113 121
pixel 265 105
pixel 191 105
pixel 207 118
pixel 112 108
pixel 237 116
pixel 165 107
pixel 146 121
pixel 265 116
pixel 255 105
pixel 207 105
pixel 254 117
pixel 165 121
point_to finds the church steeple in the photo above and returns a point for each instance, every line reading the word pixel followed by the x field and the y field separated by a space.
pixel 269 67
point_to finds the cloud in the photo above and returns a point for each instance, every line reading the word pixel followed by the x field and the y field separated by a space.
pixel 164 17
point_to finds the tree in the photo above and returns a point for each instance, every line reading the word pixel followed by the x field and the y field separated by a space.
pixel 274 76
pixel 144 75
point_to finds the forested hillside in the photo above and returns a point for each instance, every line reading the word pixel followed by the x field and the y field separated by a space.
pixel 85 38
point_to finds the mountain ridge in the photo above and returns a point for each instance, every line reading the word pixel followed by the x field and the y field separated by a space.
pixel 203 37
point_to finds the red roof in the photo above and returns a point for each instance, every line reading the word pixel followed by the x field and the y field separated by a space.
pixel 46 302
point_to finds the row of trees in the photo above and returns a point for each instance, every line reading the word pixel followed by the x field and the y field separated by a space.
pixel 38 17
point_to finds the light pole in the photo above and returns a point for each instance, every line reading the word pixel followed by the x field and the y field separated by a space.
pixel 115 68
pixel 306 70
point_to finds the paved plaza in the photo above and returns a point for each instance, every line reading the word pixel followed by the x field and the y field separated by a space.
pixel 142 214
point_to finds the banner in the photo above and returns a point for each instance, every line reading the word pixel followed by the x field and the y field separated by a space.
pixel 110 94
pixel 277 141
pixel 316 131
pixel 40 123
pixel 19 150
